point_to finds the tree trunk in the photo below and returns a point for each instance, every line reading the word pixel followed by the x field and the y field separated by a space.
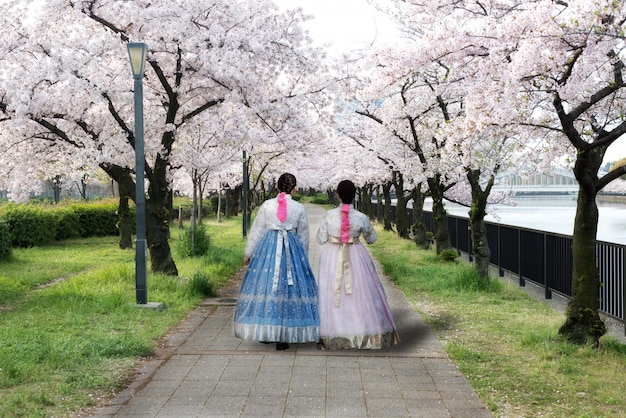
pixel 170 207
pixel 226 201
pixel 331 194
pixel 440 215
pixel 233 201
pixel 200 208
pixel 194 202
pixel 83 187
pixel 477 213
pixel 157 235
pixel 401 222
pixel 180 218
pixel 368 192
pixel 219 203
pixel 158 212
pixel 387 209
pixel 380 208
pixel 126 190
pixel 418 228
pixel 201 187
pixel 365 200
pixel 583 321
pixel 123 222
pixel 194 212
pixel 158 227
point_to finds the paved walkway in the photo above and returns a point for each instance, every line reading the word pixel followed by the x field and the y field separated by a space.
pixel 205 371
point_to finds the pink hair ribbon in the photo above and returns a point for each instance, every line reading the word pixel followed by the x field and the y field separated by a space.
pixel 345 223
pixel 281 213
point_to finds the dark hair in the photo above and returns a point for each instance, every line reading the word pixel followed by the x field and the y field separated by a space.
pixel 346 191
pixel 286 183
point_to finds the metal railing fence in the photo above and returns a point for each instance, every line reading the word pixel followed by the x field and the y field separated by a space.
pixel 543 258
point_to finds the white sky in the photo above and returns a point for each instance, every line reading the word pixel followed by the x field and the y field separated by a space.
pixel 616 151
pixel 345 24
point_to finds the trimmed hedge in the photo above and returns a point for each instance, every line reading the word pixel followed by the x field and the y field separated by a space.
pixel 30 226
pixel 5 240
pixel 67 224
pixel 97 220
pixel 320 199
pixel 33 225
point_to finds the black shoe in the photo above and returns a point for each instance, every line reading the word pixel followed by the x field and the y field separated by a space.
pixel 282 346
pixel 265 342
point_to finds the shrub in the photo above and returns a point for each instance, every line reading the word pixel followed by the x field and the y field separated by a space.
pixel 201 242
pixel 68 225
pixel 30 226
pixel 5 240
pixel 34 225
pixel 213 203
pixel 467 279
pixel 209 207
pixel 320 199
pixel 201 285
pixel 448 255
pixel 96 220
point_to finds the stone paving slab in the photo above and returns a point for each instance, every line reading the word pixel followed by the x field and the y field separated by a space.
pixel 206 372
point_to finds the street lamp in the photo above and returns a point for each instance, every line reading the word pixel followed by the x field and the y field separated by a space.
pixel 137 54
pixel 56 184
pixel 244 195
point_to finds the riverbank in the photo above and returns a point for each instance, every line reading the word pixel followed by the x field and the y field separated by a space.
pixel 611 198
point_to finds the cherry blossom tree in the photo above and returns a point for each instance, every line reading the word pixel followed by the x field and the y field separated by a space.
pixel 365 149
pixel 560 69
pixel 410 96
pixel 486 137
pixel 569 60
pixel 205 152
pixel 445 66
pixel 65 71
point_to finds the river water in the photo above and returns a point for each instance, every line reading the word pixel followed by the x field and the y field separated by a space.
pixel 551 214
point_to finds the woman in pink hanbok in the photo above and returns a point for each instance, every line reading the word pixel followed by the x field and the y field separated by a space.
pixel 354 312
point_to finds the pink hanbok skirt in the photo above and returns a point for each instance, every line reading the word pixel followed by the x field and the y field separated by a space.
pixel 354 313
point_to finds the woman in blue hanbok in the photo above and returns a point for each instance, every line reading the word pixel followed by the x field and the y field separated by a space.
pixel 278 296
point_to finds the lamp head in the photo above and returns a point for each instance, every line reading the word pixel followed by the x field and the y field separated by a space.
pixel 137 52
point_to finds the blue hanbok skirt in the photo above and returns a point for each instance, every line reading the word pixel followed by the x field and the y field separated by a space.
pixel 279 307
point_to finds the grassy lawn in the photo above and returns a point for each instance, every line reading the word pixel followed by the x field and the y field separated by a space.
pixel 70 332
pixel 69 328
pixel 506 342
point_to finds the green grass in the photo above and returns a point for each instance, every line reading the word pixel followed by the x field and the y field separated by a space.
pixel 70 332
pixel 504 341
pixel 69 328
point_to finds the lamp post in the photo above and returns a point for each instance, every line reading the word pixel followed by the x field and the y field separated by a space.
pixel 244 196
pixel 137 54
pixel 56 184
